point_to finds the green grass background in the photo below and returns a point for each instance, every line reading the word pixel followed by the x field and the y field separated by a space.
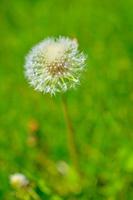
pixel 100 108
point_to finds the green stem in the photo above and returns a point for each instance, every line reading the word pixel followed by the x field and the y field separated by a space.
pixel 70 136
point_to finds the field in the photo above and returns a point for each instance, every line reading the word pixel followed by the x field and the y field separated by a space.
pixel 33 133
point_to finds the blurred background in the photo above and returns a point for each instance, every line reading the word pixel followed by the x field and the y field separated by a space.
pixel 33 137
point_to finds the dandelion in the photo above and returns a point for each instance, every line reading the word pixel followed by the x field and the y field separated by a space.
pixel 18 180
pixel 54 65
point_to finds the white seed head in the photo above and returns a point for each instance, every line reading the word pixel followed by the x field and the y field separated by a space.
pixel 18 180
pixel 54 65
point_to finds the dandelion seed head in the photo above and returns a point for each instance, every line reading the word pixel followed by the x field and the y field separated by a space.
pixel 54 65
pixel 18 180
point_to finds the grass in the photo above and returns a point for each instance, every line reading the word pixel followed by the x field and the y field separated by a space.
pixel 33 132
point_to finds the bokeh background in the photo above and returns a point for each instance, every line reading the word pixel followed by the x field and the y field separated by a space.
pixel 32 130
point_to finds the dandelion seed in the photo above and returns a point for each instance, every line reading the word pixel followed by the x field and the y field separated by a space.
pixel 54 65
pixel 18 180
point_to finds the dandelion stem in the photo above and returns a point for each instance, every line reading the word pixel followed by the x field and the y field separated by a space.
pixel 70 135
